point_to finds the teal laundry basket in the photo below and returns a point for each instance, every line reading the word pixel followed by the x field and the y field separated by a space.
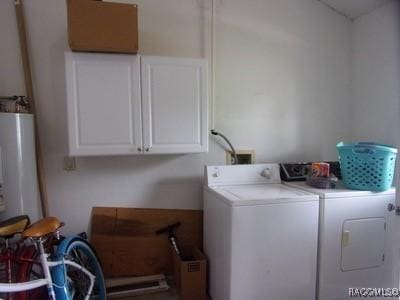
pixel 367 166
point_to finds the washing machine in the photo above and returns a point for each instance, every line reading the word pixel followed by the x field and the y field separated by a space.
pixel 260 236
pixel 354 241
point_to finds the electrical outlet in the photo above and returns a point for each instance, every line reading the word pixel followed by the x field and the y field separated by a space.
pixel 244 156
pixel 69 163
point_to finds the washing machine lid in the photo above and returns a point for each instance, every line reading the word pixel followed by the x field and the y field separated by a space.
pixel 340 191
pixel 260 194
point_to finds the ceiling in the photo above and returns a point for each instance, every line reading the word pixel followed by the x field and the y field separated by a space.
pixel 353 9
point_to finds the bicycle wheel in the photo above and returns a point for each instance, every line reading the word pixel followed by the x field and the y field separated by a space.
pixel 71 283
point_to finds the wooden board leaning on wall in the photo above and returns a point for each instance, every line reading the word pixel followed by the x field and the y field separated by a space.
pixel 125 239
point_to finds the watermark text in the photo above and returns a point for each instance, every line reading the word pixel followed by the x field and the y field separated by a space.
pixel 373 292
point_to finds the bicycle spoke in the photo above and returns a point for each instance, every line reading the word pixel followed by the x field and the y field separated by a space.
pixel 79 282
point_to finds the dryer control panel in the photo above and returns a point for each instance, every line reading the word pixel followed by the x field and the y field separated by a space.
pixel 299 171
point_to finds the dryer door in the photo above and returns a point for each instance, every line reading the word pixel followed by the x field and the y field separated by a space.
pixel 363 244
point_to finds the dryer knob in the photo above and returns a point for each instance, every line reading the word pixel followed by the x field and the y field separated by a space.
pixel 215 173
pixel 266 173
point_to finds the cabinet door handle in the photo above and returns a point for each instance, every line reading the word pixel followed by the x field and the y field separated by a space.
pixel 147 149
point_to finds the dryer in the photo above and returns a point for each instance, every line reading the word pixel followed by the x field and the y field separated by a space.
pixel 260 236
pixel 354 243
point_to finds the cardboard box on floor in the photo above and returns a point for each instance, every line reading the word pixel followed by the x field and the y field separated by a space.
pixel 190 274
pixel 97 26
pixel 126 242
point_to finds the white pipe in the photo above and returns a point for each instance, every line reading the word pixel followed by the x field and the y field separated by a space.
pixel 213 63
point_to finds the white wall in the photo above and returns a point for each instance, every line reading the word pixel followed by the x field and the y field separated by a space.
pixel 282 88
pixel 376 88
pixel 376 75
pixel 283 78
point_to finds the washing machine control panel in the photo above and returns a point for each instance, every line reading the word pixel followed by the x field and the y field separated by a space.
pixel 242 174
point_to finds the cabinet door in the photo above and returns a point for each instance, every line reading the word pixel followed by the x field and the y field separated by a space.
pixel 103 101
pixel 174 100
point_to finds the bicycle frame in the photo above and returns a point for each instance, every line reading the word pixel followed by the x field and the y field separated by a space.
pixel 47 280
pixel 11 255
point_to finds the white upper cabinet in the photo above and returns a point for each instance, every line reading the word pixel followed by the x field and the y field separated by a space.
pixel 129 104
pixel 174 105
pixel 103 102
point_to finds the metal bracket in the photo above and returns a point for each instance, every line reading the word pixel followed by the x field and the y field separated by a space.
pixel 20 103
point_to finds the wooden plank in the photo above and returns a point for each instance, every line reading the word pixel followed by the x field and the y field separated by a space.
pixel 140 222
pixel 102 235
pixel 103 245
pixel 137 256
pixel 125 238
pixel 103 220
pixel 32 105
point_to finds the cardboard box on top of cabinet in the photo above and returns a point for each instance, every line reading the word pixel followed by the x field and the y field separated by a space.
pixel 190 274
pixel 97 26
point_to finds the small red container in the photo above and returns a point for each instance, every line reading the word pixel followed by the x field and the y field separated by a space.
pixel 320 169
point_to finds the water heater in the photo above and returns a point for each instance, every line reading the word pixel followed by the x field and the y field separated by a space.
pixel 19 193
